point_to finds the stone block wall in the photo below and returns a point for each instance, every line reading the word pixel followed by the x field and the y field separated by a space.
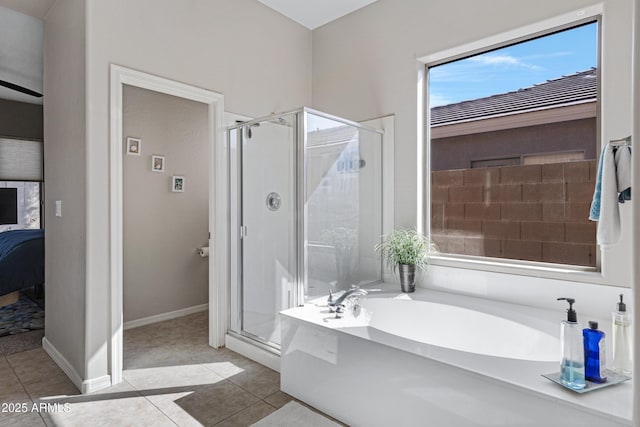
pixel 531 212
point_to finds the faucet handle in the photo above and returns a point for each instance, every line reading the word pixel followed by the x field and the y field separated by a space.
pixel 330 302
pixel 339 311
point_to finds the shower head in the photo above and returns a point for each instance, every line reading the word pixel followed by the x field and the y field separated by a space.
pixel 282 121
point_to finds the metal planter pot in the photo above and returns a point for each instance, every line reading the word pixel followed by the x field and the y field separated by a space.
pixel 407 277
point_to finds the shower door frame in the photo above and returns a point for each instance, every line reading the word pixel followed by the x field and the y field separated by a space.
pixel 300 231
pixel 299 185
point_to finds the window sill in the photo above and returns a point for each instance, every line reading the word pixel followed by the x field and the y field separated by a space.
pixel 522 268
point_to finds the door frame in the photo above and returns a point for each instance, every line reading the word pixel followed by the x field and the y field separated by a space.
pixel 218 205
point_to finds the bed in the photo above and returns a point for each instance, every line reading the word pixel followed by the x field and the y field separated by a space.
pixel 21 261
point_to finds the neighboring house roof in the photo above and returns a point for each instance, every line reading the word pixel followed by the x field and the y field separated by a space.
pixel 339 133
pixel 565 90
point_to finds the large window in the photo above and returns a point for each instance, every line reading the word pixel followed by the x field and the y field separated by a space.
pixel 513 149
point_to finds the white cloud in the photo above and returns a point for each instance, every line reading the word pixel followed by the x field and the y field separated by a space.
pixel 497 60
pixel 438 99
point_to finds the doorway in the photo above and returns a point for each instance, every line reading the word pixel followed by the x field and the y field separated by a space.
pixel 217 182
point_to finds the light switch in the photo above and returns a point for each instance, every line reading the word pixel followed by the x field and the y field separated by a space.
pixel 58 207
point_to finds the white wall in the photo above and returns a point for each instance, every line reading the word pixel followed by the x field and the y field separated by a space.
pixel 636 211
pixel 257 58
pixel 64 155
pixel 162 229
pixel 365 65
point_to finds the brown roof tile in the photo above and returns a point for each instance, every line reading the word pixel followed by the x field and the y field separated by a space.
pixel 581 86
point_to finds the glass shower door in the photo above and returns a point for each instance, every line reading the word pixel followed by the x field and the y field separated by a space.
pixel 343 205
pixel 268 226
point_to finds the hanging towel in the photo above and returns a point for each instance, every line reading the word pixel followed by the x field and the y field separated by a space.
pixel 623 172
pixel 622 156
pixel 615 179
pixel 594 212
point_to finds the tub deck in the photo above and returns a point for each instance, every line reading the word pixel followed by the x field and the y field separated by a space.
pixel 325 343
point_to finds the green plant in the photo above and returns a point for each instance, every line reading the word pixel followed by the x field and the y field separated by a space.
pixel 406 247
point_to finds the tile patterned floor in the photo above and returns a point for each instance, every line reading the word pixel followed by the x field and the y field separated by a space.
pixel 171 377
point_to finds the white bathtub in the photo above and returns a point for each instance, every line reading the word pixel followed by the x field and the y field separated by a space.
pixel 436 359
pixel 461 329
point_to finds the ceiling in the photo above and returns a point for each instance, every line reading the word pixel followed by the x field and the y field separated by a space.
pixel 310 13
pixel 315 13
pixel 35 8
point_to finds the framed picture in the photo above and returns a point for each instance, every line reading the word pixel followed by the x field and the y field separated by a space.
pixel 134 146
pixel 177 184
pixel 157 163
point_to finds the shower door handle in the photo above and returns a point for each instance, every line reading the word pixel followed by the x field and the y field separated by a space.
pixel 243 231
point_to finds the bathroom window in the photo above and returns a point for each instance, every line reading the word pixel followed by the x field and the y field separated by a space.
pixel 513 149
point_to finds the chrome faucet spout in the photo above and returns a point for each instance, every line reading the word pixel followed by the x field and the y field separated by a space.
pixel 355 293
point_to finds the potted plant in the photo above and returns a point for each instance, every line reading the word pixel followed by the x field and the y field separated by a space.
pixel 406 250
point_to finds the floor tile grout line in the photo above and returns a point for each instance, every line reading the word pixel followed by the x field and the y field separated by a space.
pixel 227 380
pixel 270 404
pixel 24 388
pixel 236 413
pixel 160 410
pixel 248 391
pixel 157 407
pixel 174 422
pixel 239 386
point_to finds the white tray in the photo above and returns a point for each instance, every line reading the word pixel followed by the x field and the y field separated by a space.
pixel 613 378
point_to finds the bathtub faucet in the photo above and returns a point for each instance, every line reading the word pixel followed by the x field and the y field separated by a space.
pixel 354 295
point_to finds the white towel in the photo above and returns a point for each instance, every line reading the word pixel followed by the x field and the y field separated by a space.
pixel 616 177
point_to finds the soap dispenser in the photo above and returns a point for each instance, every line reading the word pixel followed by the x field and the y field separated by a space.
pixel 622 347
pixel 594 353
pixel 572 364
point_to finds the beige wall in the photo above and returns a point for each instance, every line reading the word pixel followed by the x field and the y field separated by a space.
pixel 257 58
pixel 65 157
pixel 365 64
pixel 162 229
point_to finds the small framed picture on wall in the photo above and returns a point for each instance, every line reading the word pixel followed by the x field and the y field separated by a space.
pixel 157 163
pixel 177 184
pixel 134 146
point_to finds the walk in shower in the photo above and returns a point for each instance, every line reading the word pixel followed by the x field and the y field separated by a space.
pixel 306 214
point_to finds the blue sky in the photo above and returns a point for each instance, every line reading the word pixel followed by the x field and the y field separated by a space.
pixel 514 67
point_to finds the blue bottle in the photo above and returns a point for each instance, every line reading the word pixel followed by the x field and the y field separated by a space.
pixel 594 353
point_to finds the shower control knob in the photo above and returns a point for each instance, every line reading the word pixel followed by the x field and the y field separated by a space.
pixel 273 201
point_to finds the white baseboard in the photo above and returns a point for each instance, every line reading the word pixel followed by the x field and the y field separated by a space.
pixel 165 316
pixel 95 384
pixel 86 386
pixel 254 353
pixel 63 363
